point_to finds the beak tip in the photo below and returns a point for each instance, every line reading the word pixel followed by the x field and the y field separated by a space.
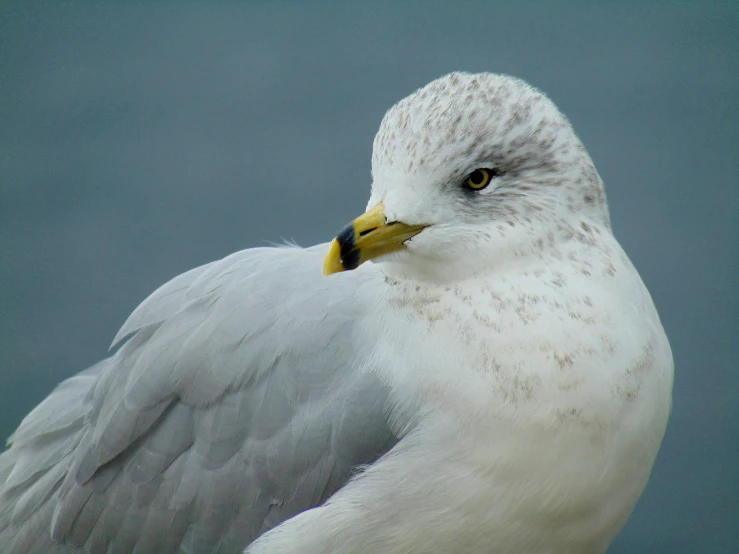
pixel 332 262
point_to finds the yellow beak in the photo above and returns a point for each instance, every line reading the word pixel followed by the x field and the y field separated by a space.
pixel 365 238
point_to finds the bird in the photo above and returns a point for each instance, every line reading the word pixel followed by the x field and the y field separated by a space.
pixel 472 365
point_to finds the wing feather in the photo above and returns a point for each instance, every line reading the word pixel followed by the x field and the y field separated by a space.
pixel 231 404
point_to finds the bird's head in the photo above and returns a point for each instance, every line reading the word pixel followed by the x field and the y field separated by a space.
pixel 467 170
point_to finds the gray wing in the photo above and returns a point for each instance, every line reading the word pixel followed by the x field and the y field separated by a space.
pixel 232 406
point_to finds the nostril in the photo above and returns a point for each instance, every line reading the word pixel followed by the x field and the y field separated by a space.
pixel 367 231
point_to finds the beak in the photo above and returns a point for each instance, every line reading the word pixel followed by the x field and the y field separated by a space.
pixel 365 238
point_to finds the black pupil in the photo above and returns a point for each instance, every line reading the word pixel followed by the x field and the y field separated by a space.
pixel 477 177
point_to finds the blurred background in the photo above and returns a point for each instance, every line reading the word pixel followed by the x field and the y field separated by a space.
pixel 140 140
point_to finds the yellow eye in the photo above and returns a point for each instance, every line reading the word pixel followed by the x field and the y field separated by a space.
pixel 479 179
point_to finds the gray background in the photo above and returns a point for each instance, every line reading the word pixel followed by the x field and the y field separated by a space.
pixel 138 141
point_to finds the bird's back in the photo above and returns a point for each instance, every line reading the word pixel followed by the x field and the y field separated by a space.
pixel 208 426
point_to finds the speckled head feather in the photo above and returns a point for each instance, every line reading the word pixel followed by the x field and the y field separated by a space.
pixel 545 185
pixel 463 121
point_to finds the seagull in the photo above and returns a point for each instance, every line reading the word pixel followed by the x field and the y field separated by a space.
pixel 472 365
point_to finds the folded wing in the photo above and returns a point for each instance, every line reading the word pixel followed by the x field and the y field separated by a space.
pixel 232 404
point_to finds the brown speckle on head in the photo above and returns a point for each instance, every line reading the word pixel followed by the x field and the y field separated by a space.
pixel 545 187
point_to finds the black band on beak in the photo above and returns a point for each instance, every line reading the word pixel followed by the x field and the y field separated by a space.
pixel 348 248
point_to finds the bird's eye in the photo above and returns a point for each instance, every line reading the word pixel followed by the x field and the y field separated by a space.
pixel 480 178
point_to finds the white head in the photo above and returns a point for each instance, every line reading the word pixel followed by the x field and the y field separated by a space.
pixel 530 175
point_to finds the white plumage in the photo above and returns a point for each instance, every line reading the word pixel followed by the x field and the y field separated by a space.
pixel 505 375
